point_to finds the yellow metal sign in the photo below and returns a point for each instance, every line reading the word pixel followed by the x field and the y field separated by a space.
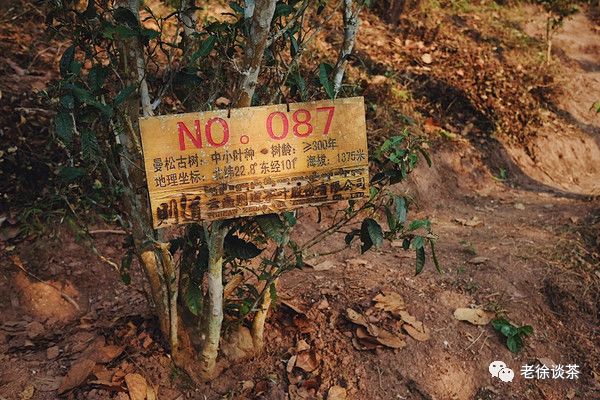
pixel 256 160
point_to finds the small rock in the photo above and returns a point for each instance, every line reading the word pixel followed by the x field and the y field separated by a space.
pixel 324 266
pixel 426 58
pixel 247 385
pixel 34 329
pixel 519 206
pixel 52 352
pixel 323 305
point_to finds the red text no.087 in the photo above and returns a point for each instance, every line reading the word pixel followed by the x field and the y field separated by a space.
pixel 301 127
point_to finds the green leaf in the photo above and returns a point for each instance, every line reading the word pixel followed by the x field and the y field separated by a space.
pixel 419 223
pixel 417 242
pixel 67 101
pixel 66 60
pixel 124 94
pixel 97 76
pixel 90 149
pixel 149 33
pixel 63 122
pixel 294 46
pixel 296 80
pixel 406 244
pixel 273 292
pixel 126 17
pixel 282 9
pixel 239 248
pixel 324 79
pixel 75 67
pixel 525 330
pixel 514 343
pixel 350 236
pixel 122 32
pixel 391 220
pixel 86 97
pixel 290 218
pixel 420 260
pixel 370 234
pixel 205 48
pixel 498 323
pixel 272 227
pixel 237 8
pixel 400 205
pixel 71 174
pixel 193 297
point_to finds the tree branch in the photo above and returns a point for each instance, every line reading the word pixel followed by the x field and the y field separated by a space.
pixel 260 24
pixel 351 23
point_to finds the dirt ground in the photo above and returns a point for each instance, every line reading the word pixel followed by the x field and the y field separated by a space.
pixel 518 234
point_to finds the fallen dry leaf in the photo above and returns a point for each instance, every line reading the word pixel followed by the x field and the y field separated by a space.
pixel 356 318
pixel 290 364
pixel 302 345
pixel 391 302
pixel 476 316
pixel 362 333
pixel 409 319
pixel 307 361
pixel 151 393
pixel 27 393
pixel 390 339
pixel 420 335
pixel 364 344
pixel 103 374
pixel 336 393
pixel 77 374
pixel 106 354
pixel 137 386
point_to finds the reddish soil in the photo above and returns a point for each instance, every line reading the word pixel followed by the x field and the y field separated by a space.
pixel 524 243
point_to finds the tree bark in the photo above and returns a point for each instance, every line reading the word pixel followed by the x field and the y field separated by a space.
pixel 351 23
pixel 187 16
pixel 213 310
pixel 259 15
pixel 152 253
